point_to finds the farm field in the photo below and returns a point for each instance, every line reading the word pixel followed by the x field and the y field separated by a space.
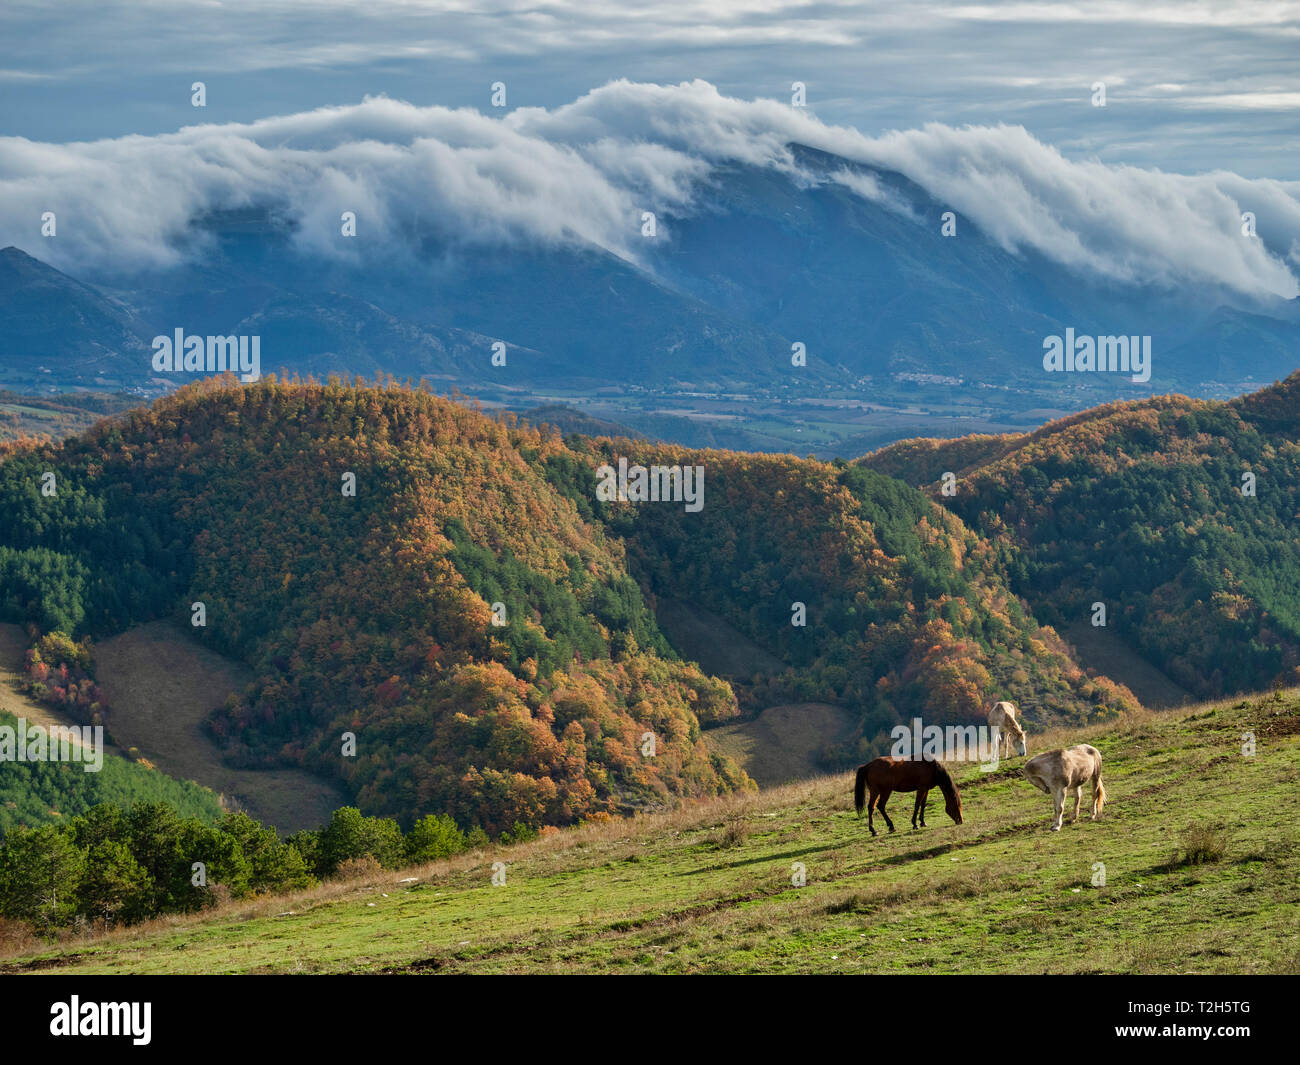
pixel 54 416
pixel 1200 848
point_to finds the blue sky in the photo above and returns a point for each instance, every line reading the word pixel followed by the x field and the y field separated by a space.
pixel 1191 87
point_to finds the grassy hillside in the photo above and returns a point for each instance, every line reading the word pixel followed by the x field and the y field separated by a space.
pixel 1200 848
pixel 1179 515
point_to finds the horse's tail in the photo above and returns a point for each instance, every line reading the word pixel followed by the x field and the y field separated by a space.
pixel 860 789
pixel 1098 790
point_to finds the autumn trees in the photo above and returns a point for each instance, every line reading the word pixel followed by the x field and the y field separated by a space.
pixel 395 567
pixel 1177 516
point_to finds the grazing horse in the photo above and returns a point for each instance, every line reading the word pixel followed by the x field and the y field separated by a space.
pixel 1058 772
pixel 884 776
pixel 1003 718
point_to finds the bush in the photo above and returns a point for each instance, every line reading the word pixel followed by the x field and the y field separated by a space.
pixel 735 830
pixel 350 834
pixel 1203 843
pixel 433 837
pixel 356 868
pixel 518 833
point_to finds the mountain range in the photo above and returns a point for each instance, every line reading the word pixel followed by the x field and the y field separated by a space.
pixel 848 260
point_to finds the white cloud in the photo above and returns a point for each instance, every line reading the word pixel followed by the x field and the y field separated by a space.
pixel 582 173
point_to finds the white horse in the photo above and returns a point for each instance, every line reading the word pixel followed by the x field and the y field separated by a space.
pixel 1058 772
pixel 1003 718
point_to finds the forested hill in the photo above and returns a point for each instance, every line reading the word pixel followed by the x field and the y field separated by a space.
pixel 371 614
pixel 903 610
pixel 1181 516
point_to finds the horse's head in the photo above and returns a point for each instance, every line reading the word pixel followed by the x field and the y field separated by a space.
pixel 1024 747
pixel 952 804
pixel 951 796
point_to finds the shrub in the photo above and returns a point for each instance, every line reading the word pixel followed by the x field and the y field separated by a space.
pixel 356 868
pixel 735 830
pixel 518 833
pixel 1204 843
pixel 350 834
pixel 433 837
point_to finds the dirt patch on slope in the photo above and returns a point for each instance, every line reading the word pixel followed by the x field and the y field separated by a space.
pixel 161 685
pixel 1102 650
pixel 783 743
pixel 721 649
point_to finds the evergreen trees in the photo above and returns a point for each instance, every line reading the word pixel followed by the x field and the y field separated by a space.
pixel 117 866
pixel 33 793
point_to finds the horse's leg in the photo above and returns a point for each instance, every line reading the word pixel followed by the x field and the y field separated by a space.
pixel 884 795
pixel 1058 802
pixel 921 795
pixel 1078 797
pixel 871 806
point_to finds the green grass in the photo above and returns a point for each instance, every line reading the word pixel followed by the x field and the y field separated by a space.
pixel 708 888
pixel 18 408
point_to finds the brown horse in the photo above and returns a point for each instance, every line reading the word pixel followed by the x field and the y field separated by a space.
pixel 884 776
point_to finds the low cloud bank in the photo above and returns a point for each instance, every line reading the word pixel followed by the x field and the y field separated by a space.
pixel 582 174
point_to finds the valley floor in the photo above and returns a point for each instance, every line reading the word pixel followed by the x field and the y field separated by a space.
pixel 709 889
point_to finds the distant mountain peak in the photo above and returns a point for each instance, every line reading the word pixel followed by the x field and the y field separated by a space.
pixel 14 257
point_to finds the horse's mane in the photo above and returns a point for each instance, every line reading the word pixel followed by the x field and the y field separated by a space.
pixel 944 781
